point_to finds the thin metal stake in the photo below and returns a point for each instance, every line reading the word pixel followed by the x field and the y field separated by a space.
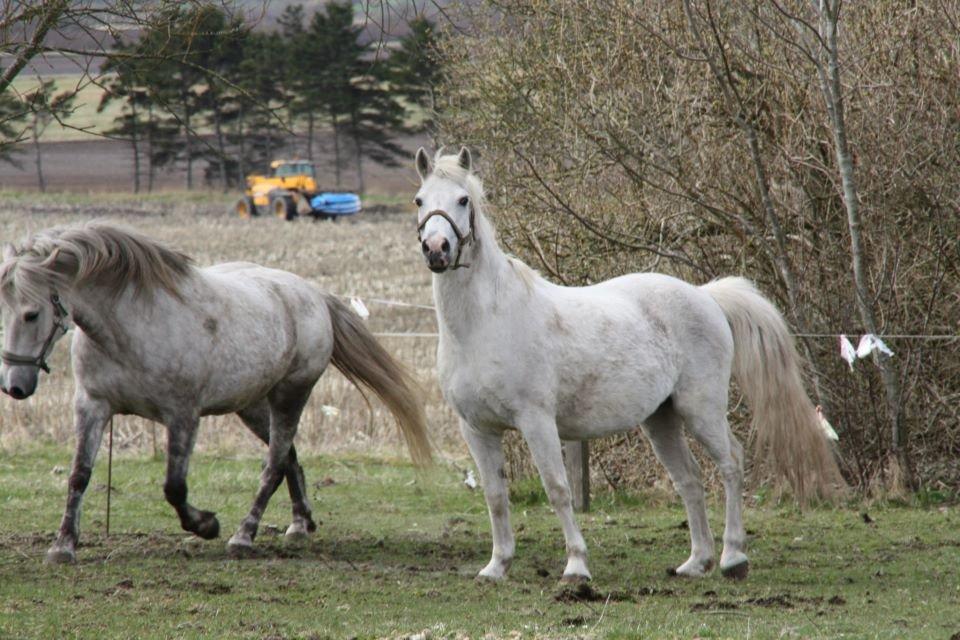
pixel 109 474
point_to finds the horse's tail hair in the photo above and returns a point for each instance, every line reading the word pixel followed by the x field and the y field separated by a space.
pixel 359 357
pixel 786 431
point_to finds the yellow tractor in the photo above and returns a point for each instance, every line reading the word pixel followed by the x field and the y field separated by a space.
pixel 291 191
pixel 278 193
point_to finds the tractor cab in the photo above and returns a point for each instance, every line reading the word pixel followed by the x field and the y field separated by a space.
pixel 293 168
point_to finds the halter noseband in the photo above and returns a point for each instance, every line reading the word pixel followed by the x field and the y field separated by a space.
pixel 462 238
pixel 59 315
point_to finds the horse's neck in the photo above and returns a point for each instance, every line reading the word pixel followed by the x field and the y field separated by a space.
pixel 470 297
pixel 109 320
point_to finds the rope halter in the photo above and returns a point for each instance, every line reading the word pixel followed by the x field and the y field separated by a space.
pixel 59 315
pixel 462 238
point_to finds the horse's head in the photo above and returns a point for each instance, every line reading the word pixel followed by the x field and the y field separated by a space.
pixel 32 324
pixel 446 208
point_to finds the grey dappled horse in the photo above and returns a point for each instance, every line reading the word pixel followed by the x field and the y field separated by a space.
pixel 159 338
pixel 517 351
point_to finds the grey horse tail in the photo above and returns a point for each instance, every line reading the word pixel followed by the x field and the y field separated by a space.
pixel 786 432
pixel 359 357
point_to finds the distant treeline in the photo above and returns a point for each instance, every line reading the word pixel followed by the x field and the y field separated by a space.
pixel 202 85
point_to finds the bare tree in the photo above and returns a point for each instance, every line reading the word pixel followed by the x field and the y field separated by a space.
pixel 704 138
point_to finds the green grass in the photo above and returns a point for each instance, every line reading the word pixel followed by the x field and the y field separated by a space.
pixel 396 554
pixel 84 118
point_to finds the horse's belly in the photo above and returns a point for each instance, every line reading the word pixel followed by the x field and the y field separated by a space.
pixel 612 400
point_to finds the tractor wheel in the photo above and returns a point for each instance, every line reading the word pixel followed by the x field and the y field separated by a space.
pixel 283 207
pixel 245 207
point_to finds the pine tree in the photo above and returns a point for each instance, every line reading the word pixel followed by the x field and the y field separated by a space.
pixel 414 72
pixel 13 114
pixel 351 90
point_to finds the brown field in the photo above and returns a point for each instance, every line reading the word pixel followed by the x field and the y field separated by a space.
pixel 373 256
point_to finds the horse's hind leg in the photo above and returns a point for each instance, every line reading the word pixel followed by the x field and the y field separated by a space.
pixel 544 443
pixel 182 434
pixel 713 432
pixel 287 400
pixel 665 431
pixel 257 419
pixel 487 451
pixel 91 417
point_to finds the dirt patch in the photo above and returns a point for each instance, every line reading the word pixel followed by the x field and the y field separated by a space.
pixel 583 592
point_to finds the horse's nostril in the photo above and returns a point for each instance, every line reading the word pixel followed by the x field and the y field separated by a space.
pixel 424 247
pixel 445 246
pixel 17 393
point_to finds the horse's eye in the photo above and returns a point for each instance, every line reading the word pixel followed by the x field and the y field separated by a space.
pixel 464 200
pixel 418 202
pixel 31 316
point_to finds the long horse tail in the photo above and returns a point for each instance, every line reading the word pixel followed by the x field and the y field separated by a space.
pixel 786 430
pixel 359 357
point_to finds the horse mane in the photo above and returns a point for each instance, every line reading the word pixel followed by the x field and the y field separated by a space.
pixel 109 256
pixel 448 167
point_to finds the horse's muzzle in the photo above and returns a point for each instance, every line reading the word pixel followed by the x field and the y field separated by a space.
pixel 437 253
pixel 19 387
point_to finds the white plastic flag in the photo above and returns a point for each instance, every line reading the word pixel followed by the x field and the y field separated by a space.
pixel 826 426
pixel 470 480
pixel 847 352
pixel 870 343
pixel 360 308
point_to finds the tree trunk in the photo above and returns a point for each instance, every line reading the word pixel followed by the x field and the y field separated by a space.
pixel 242 160
pixel 151 125
pixel 359 158
pixel 135 142
pixel 220 144
pixel 336 151
pixel 832 90
pixel 41 183
pixel 188 135
pixel 310 136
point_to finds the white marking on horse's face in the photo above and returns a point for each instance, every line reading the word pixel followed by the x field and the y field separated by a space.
pixel 439 242
pixel 26 325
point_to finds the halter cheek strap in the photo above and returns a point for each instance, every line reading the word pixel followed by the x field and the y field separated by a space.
pixel 59 315
pixel 462 238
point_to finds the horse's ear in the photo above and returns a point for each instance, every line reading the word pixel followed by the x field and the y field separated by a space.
pixel 9 251
pixel 423 164
pixel 464 159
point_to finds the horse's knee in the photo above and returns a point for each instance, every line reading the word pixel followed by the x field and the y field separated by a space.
pixel 80 478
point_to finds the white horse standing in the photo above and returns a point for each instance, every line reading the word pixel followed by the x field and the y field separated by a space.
pixel 517 351
pixel 159 338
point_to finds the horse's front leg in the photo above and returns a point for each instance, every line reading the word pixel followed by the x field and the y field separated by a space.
pixel 182 434
pixel 91 417
pixel 286 405
pixel 487 451
pixel 542 438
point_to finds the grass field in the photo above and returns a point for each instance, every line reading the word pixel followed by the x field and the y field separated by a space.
pixel 396 553
pixel 84 118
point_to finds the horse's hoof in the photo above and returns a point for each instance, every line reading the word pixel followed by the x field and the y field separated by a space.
pixel 691 569
pixel 240 547
pixel 738 571
pixel 574 578
pixel 207 527
pixel 58 555
pixel 489 577
pixel 296 532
